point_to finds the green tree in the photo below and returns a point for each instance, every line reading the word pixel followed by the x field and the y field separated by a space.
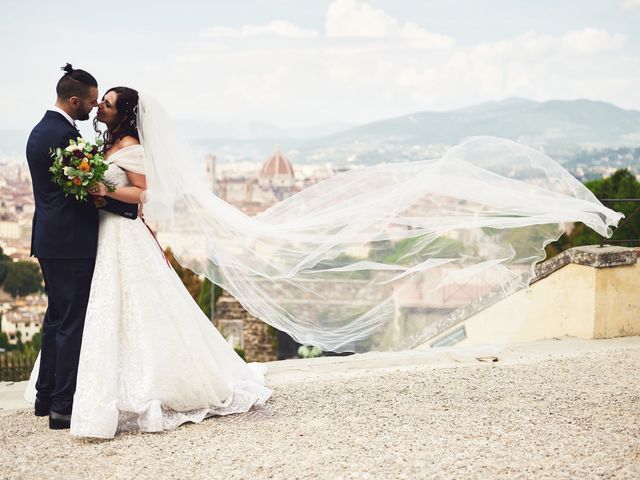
pixel 622 184
pixel 5 264
pixel 407 250
pixel 23 278
pixel 4 342
pixel 36 341
pixel 189 279
pixel 204 299
pixel 4 270
pixel 240 353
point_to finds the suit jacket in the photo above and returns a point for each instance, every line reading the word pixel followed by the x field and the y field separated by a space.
pixel 63 227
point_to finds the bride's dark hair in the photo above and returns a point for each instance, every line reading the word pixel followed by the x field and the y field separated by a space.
pixel 126 123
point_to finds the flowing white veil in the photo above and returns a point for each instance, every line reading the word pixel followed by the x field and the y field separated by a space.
pixel 374 258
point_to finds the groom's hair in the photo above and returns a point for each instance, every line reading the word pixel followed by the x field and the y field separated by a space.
pixel 74 83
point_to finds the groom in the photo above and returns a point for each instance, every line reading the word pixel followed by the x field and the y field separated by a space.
pixel 64 240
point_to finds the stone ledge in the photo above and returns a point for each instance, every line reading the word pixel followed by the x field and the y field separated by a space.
pixel 590 256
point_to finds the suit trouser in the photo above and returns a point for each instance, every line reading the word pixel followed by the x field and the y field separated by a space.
pixel 67 283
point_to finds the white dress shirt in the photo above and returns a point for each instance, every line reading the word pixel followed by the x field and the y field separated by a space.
pixel 65 115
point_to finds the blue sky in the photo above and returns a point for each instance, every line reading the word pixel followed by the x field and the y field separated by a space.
pixel 305 62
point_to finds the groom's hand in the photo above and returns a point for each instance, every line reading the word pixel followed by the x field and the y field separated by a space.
pixel 99 189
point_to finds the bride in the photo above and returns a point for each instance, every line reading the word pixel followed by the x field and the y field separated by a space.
pixel 150 359
pixel 329 265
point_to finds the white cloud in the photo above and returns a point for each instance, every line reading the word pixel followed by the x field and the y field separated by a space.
pixel 630 4
pixel 421 38
pixel 281 28
pixel 577 63
pixel 256 87
pixel 355 18
pixel 342 72
pixel 591 40
pixel 338 79
pixel 262 70
pixel 587 41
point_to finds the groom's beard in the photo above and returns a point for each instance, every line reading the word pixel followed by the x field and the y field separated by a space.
pixel 83 116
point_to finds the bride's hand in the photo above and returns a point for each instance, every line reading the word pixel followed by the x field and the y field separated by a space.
pixel 99 189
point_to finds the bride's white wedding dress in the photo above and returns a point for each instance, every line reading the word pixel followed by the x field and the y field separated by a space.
pixel 474 220
pixel 150 359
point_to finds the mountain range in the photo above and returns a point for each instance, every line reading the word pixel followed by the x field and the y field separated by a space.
pixel 560 127
pixel 557 124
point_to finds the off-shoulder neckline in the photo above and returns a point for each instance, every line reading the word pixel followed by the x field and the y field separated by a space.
pixel 122 149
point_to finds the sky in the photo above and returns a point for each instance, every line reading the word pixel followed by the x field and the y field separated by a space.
pixel 296 63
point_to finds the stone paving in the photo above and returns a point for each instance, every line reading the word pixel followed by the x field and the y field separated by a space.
pixel 567 409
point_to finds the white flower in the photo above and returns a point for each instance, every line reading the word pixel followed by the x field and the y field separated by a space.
pixel 72 148
pixel 66 171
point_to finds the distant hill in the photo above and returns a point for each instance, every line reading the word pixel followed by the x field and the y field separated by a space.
pixel 561 127
pixel 558 126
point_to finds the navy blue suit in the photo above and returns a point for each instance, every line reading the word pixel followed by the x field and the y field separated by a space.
pixel 65 241
pixel 62 226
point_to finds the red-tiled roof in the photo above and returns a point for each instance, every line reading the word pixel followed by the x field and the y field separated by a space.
pixel 277 164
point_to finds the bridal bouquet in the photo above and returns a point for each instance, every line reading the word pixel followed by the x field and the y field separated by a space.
pixel 79 167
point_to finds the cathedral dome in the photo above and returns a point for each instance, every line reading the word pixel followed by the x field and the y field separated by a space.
pixel 276 165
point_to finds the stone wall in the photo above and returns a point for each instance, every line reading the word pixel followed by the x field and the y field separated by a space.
pixel 255 339
pixel 586 292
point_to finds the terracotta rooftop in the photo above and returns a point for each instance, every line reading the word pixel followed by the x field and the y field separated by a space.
pixel 277 164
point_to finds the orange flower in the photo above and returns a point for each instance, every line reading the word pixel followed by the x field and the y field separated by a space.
pixel 84 166
pixel 77 181
pixel 89 156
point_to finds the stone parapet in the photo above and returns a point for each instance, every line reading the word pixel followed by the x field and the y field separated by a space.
pixel 585 292
pixel 590 256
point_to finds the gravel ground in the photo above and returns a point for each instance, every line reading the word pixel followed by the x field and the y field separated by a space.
pixel 569 418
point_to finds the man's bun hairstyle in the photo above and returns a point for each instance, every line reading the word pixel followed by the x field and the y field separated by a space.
pixel 74 83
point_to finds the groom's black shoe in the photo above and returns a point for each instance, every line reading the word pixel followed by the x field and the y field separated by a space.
pixel 42 407
pixel 59 421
